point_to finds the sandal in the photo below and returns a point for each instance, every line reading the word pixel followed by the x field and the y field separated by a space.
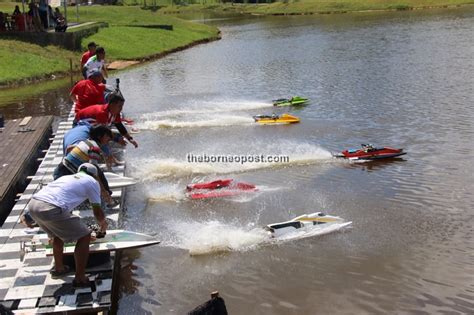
pixel 77 284
pixel 55 274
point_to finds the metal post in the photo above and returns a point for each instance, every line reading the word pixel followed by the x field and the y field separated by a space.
pixel 70 71
pixel 65 11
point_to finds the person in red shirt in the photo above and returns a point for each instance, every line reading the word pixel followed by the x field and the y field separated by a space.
pixel 88 92
pixel 91 47
pixel 107 115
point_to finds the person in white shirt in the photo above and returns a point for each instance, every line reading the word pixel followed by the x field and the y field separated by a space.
pixel 51 209
pixel 96 62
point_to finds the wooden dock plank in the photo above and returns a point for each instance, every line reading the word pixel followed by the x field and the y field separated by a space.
pixel 25 121
pixel 19 147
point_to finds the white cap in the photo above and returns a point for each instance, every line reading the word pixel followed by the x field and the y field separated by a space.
pixel 88 168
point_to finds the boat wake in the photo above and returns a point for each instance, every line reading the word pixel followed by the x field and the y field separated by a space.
pixel 156 168
pixel 206 108
pixel 216 121
pixel 166 193
pixel 213 237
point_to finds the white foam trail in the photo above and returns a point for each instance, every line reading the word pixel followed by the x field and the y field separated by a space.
pixel 163 193
pixel 155 168
pixel 215 237
pixel 219 121
pixel 207 108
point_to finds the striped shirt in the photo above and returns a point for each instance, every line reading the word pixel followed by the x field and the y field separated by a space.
pixel 86 151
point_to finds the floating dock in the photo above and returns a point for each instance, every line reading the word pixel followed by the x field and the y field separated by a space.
pixel 21 143
pixel 26 285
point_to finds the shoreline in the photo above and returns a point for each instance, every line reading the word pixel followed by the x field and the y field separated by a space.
pixel 127 63
pixel 365 11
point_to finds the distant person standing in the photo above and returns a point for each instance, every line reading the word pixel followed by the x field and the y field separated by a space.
pixel 91 48
pixel 18 19
pixel 2 22
pixel 34 17
pixel 51 19
pixel 43 14
pixel 97 62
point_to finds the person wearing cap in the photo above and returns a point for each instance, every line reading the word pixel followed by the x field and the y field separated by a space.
pixel 97 61
pixel 108 115
pixel 88 92
pixel 51 209
pixel 88 151
pixel 91 47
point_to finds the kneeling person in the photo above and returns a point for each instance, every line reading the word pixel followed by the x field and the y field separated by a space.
pixel 51 209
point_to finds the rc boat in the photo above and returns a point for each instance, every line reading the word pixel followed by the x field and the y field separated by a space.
pixel 369 152
pixel 276 119
pixel 303 222
pixel 295 100
pixel 218 188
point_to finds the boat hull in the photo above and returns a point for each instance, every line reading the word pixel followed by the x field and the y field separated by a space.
pixel 218 188
pixel 375 154
pixel 290 102
pixel 283 119
pixel 303 222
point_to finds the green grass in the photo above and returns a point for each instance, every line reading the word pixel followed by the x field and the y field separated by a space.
pixel 19 60
pixel 122 42
pixel 143 42
pixel 8 7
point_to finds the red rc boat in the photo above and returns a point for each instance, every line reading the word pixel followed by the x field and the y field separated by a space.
pixel 218 188
pixel 369 152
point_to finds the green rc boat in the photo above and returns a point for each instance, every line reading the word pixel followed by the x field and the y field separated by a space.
pixel 295 100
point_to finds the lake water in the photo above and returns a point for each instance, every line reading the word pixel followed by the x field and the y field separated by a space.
pixel 401 79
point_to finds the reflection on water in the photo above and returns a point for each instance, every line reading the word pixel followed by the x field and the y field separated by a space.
pixel 46 98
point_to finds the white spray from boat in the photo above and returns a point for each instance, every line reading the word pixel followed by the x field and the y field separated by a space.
pixel 298 154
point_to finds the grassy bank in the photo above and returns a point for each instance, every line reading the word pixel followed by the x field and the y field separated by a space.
pixel 22 62
pixel 124 40
pixel 336 6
